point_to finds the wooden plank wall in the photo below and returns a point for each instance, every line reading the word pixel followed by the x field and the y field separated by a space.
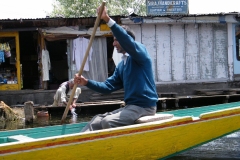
pixel 186 52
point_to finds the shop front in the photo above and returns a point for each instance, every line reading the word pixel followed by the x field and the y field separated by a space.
pixel 21 65
pixel 10 67
pixel 23 42
pixel 25 66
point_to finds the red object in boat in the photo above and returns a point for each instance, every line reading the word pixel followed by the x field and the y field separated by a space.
pixel 42 114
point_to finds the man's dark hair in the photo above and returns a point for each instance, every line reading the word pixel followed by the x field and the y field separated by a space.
pixel 129 31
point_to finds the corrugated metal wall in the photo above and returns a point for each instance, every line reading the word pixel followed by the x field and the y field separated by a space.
pixel 186 52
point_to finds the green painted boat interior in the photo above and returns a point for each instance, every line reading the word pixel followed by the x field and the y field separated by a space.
pixel 197 111
pixel 49 131
pixel 42 132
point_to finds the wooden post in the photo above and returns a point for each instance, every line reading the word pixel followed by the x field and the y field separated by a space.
pixel 176 103
pixel 225 100
pixel 164 105
pixel 43 46
pixel 28 111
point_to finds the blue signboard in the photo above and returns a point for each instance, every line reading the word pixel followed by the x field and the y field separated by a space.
pixel 167 7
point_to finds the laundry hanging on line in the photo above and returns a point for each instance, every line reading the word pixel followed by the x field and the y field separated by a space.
pixel 79 49
pixel 46 65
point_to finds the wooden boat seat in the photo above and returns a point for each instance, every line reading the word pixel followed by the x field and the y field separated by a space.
pixel 220 113
pixel 21 138
pixel 153 118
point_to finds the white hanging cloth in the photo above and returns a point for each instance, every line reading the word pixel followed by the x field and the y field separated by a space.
pixel 79 49
pixel 46 65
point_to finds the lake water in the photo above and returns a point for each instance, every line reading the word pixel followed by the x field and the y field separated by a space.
pixel 42 121
pixel 225 148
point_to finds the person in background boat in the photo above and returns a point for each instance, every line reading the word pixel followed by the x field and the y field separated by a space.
pixel 133 74
pixel 63 94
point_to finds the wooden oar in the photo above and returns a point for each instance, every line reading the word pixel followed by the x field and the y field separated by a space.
pixel 84 60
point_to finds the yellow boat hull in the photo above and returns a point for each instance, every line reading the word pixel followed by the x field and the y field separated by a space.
pixel 154 140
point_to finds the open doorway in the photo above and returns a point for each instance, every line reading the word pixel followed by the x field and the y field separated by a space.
pixel 59 63
pixel 28 59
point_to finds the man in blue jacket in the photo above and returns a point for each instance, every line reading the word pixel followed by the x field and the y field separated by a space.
pixel 133 74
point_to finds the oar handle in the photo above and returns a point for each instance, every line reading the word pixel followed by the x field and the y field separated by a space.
pixel 84 60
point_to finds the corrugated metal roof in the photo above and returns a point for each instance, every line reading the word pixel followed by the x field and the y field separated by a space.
pixel 194 15
pixel 20 24
pixel 33 24
pixel 133 14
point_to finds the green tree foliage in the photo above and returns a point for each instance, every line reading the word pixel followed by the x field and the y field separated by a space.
pixel 87 8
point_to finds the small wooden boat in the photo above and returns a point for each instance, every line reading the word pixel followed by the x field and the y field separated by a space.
pixel 159 139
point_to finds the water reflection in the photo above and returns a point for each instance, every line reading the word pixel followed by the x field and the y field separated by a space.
pixel 73 119
pixel 42 121
pixel 12 125
pixel 225 148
